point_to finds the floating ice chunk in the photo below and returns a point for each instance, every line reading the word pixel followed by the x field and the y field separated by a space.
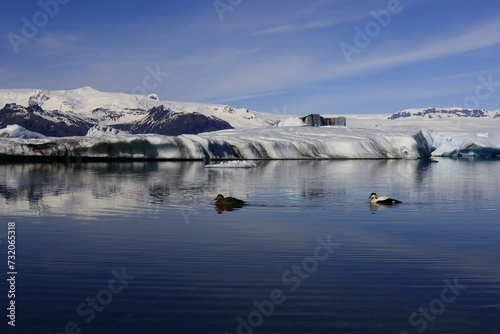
pixel 232 164
pixel 458 144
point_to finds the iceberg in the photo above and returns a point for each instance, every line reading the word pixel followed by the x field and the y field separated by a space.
pixel 232 164
pixel 268 143
pixel 257 143
pixel 462 144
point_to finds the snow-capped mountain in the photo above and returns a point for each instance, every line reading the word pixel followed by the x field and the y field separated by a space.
pixel 50 123
pixel 445 113
pixel 73 112
pixel 162 120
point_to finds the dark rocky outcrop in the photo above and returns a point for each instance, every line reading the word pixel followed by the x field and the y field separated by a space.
pixel 164 121
pixel 318 120
pixel 440 113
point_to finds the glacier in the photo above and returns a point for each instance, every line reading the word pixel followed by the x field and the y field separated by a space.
pixel 246 144
pixel 257 143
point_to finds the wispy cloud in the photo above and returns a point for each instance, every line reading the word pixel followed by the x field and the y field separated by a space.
pixel 478 38
pixel 294 27
pixel 468 74
pixel 400 53
pixel 310 24
pixel 245 97
pixel 55 42
pixel 224 80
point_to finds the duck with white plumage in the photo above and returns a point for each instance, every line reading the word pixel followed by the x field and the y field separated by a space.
pixel 374 199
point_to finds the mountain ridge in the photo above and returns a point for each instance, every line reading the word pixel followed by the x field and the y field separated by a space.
pixel 112 108
pixel 74 112
pixel 445 113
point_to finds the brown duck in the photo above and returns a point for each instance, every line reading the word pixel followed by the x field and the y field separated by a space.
pixel 229 201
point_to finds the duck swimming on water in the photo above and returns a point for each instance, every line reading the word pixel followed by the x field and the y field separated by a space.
pixel 228 200
pixel 374 199
pixel 227 203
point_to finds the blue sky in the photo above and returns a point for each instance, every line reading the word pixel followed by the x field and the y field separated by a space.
pixel 282 56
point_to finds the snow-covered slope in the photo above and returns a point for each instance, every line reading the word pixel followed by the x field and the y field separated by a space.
pixel 119 108
pixel 16 131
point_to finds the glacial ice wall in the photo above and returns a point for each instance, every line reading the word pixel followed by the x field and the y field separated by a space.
pixel 247 143
pixel 323 143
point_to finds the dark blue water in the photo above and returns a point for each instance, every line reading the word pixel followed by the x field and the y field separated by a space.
pixel 140 247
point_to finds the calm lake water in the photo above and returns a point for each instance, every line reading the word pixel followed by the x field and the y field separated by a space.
pixel 140 247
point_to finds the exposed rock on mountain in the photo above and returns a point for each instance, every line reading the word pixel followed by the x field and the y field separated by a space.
pixel 441 113
pixel 164 121
pixel 31 118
